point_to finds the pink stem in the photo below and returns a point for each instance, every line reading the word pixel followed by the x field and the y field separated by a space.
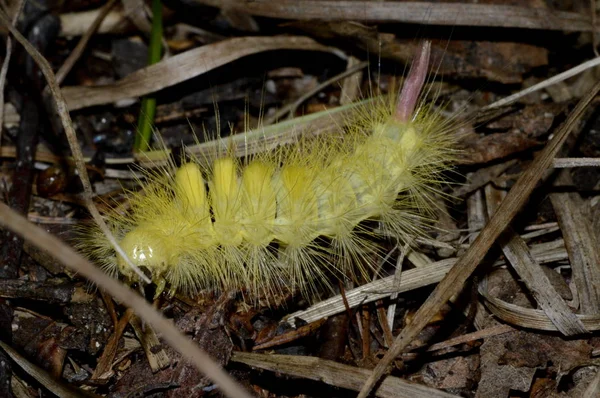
pixel 409 96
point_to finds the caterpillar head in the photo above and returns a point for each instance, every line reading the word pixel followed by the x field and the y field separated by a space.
pixel 145 248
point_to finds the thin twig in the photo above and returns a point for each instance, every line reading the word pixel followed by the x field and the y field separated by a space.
pixel 564 163
pixel 80 47
pixel 6 62
pixel 419 12
pixel 546 83
pixel 391 312
pixel 335 374
pixel 466 338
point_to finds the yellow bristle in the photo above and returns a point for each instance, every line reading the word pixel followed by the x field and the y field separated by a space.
pixel 226 202
pixel 336 203
pixel 259 205
pixel 191 192
pixel 297 211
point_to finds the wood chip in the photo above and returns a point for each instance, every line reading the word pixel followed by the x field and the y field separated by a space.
pixel 155 352
pixel 335 374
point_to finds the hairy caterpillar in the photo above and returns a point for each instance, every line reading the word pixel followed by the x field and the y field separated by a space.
pixel 291 217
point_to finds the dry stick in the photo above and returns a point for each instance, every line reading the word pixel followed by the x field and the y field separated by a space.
pixel 391 312
pixel 61 108
pixel 335 374
pixel 76 53
pixel 561 163
pixel 69 257
pixel 290 336
pixel 467 338
pixel 456 277
pixel 592 63
pixel 104 364
pixel 421 12
pixel 6 62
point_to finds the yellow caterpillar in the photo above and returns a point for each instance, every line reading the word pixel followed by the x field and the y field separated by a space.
pixel 288 218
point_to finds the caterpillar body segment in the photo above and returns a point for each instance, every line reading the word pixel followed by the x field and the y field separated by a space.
pixel 292 218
